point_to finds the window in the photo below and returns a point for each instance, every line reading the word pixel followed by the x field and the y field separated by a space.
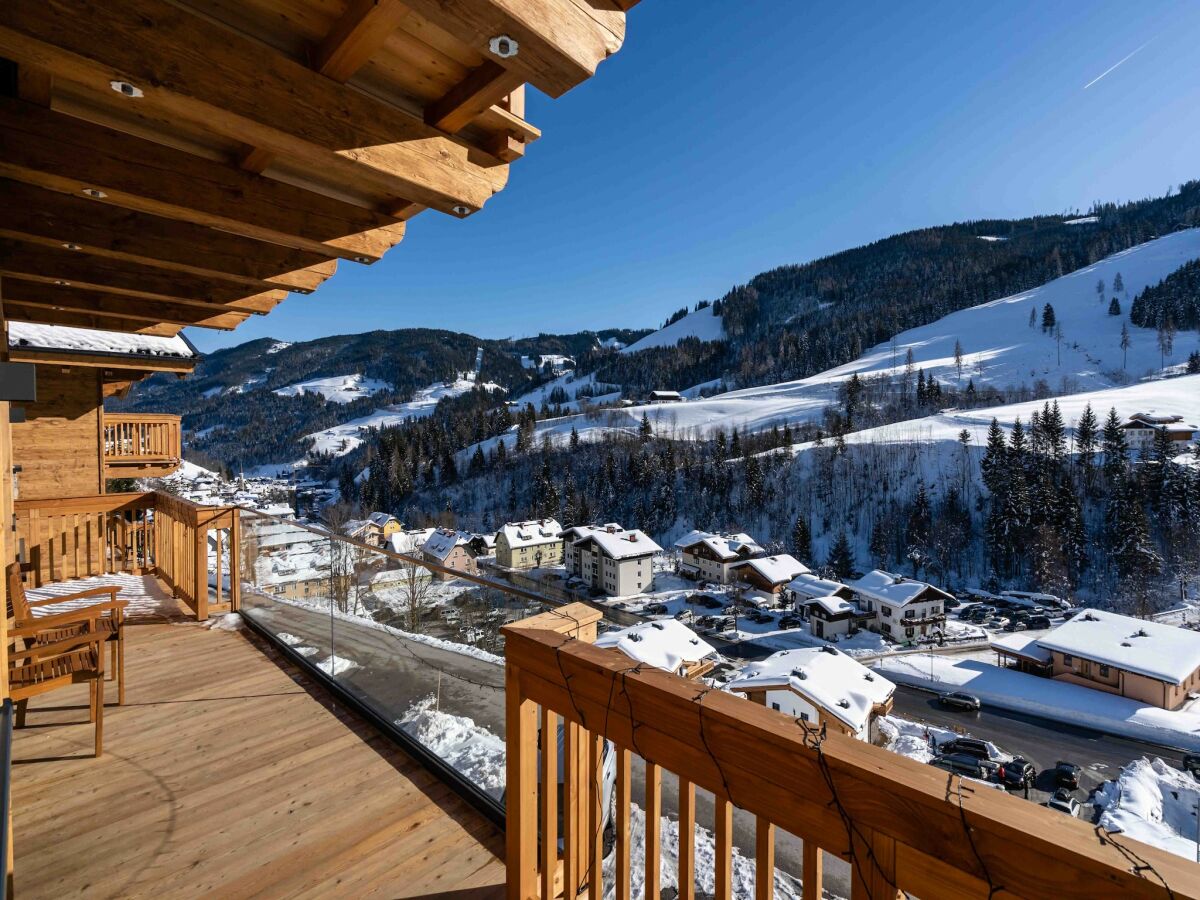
pixel 1104 671
pixel 910 614
pixel 1068 659
pixel 908 632
pixel 775 706
pixel 886 610
pixel 803 717
pixel 886 628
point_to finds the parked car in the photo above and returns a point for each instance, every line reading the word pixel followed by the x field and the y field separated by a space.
pixel 685 615
pixel 968 745
pixel 708 602
pixel 1016 625
pixel 1066 775
pixel 656 609
pixel 967 765
pixel 790 622
pixel 1064 802
pixel 960 700
pixel 1038 622
pixel 1191 763
pixel 1017 773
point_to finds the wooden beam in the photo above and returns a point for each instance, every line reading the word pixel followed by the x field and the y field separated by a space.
pixel 19 312
pixel 111 361
pixel 356 36
pixel 559 43
pixel 52 218
pixel 221 81
pixel 35 85
pixel 483 87
pixel 56 297
pixel 81 269
pixel 66 154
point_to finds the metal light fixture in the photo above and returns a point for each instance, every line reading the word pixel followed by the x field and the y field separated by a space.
pixel 365 260
pixel 125 89
pixel 462 210
pixel 59 281
pixel 94 193
pixel 69 246
pixel 503 46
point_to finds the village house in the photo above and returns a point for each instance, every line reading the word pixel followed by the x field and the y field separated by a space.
pixel 707 556
pixel 665 397
pixel 451 550
pixel 409 540
pixel 903 609
pixel 529 545
pixel 829 605
pixel 375 529
pixel 1142 427
pixel 610 558
pixel 666 644
pixel 821 686
pixel 767 574
pixel 483 544
pixel 1145 661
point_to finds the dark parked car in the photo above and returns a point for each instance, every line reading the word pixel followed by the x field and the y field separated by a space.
pixel 967 765
pixel 1037 622
pixel 791 622
pixel 656 609
pixel 1191 763
pixel 1066 775
pixel 706 601
pixel 960 700
pixel 1017 773
pixel 1064 802
pixel 971 746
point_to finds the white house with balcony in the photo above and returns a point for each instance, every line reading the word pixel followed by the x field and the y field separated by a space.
pixel 904 609
pixel 708 556
pixel 610 558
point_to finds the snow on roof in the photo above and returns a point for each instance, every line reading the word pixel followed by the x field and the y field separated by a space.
pixel 1152 649
pixel 408 541
pixel 832 604
pixel 442 542
pixel 778 569
pixel 893 589
pixel 354 526
pixel 531 533
pixel 381 518
pixel 833 681
pixel 726 546
pixel 1018 644
pixel 665 644
pixel 613 540
pixel 808 584
pixel 88 340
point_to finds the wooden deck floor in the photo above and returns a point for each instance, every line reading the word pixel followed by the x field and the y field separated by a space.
pixel 229 774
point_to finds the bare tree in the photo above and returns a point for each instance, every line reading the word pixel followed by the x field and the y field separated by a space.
pixel 958 359
pixel 1125 344
pixel 416 592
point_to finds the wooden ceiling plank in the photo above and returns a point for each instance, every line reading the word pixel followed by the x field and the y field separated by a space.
pixel 42 293
pixel 35 85
pixel 52 218
pixel 233 85
pixel 66 154
pixel 77 266
pixel 20 313
pixel 560 43
pixel 482 88
pixel 151 312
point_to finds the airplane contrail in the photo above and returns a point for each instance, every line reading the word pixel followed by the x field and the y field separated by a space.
pixel 1122 62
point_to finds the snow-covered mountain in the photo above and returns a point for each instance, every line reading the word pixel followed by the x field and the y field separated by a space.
pixel 704 324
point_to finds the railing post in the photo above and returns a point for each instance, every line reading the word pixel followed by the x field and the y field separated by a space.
pixel 235 562
pixel 873 868
pixel 200 568
pixel 521 831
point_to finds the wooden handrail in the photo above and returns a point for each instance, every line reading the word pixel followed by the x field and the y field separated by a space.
pixel 901 825
pixel 140 438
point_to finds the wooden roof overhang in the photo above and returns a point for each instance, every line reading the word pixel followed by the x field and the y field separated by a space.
pixel 172 163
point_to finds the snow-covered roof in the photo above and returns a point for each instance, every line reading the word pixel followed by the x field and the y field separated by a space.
pixel 353 527
pixel 841 686
pixel 894 589
pixel 442 542
pixel 531 533
pixel 778 569
pixel 726 546
pixel 613 541
pixel 666 395
pixel 664 644
pixel 808 584
pixel 381 519
pixel 832 604
pixel 89 340
pixel 1152 649
pixel 408 541
pixel 1018 644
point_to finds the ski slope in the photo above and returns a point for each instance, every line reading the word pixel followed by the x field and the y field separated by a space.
pixel 337 389
pixel 999 349
pixel 341 439
pixel 703 324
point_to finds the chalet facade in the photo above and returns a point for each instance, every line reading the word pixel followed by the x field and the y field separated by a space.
pixel 451 550
pixel 610 558
pixel 902 608
pixel 831 607
pixel 768 575
pixel 376 529
pixel 1142 428
pixel 529 545
pixel 821 686
pixel 708 556
pixel 656 397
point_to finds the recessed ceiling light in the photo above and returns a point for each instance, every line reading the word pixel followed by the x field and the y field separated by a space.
pixel 365 260
pixel 95 193
pixel 63 283
pixel 462 210
pixel 125 89
pixel 68 245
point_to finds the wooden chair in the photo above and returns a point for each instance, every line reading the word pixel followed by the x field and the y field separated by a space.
pixel 44 666
pixel 111 625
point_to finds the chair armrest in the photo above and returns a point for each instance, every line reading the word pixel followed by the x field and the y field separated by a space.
pixel 112 590
pixel 81 613
pixel 37 652
pixel 84 616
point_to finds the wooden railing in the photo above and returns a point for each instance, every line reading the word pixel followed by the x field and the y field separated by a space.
pixel 141 443
pixel 191 548
pixel 900 825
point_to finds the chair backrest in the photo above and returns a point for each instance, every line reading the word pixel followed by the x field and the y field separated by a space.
pixel 18 604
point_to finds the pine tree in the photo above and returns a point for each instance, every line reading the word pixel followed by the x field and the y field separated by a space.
pixel 841 557
pixel 574 444
pixel 1126 343
pixel 1114 448
pixel 477 463
pixel 1118 284
pixel 801 539
pixel 1048 318
pixel 994 466
pixel 1114 308
pixel 917 532
pixel 645 432
pixel 880 542
pixel 1054 431
pixel 958 359
pixel 1085 439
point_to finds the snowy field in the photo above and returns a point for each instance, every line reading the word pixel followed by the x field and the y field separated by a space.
pixel 703 324
pixel 999 347
pixel 1049 699
pixel 341 439
pixel 337 389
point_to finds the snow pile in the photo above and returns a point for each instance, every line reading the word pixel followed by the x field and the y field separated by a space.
pixel 918 741
pixel 337 389
pixel 468 748
pixel 228 622
pixel 336 665
pixel 703 324
pixel 1153 803
pixel 1047 698
pixel 89 340
pixel 1082 220
pixel 786 887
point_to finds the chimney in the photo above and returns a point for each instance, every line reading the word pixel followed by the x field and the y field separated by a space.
pixel 610 529
pixel 633 538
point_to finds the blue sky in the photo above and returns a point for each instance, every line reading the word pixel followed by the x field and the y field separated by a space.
pixel 728 138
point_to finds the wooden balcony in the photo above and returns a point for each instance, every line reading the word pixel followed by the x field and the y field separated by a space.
pixel 140 445
pixel 899 825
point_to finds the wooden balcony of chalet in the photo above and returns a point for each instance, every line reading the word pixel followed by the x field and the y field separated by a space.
pixel 141 445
